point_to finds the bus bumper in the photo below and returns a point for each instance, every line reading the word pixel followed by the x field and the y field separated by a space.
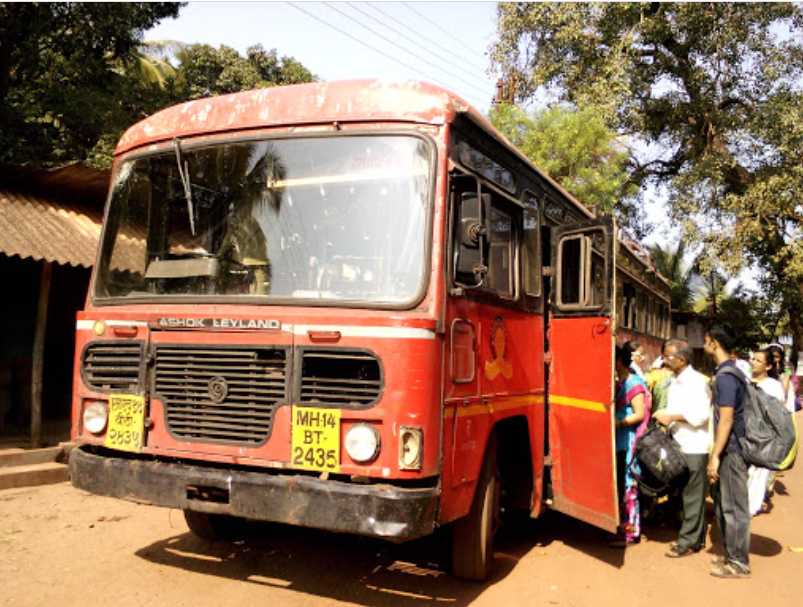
pixel 378 510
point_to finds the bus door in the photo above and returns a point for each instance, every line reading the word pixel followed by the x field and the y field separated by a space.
pixel 581 342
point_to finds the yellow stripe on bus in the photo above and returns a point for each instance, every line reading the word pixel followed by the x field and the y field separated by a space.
pixel 569 401
pixel 515 402
pixel 497 405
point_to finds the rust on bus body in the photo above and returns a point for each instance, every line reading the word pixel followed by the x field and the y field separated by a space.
pixel 319 102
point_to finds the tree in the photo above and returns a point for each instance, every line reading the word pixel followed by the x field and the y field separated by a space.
pixel 59 93
pixel 273 70
pixel 204 70
pixel 712 292
pixel 753 319
pixel 74 76
pixel 144 84
pixel 682 277
pixel 712 94
pixel 575 147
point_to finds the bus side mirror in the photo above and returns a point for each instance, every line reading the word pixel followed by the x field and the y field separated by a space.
pixel 470 268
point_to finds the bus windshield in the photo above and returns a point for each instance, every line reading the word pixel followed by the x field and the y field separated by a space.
pixel 339 218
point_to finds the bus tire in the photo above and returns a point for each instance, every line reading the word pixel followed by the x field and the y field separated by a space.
pixel 212 527
pixel 473 535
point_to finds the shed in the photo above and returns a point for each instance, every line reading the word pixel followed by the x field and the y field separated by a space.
pixel 50 222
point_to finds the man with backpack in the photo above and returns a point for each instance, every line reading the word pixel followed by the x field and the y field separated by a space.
pixel 687 416
pixel 726 466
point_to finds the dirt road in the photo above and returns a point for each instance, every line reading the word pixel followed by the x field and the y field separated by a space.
pixel 60 546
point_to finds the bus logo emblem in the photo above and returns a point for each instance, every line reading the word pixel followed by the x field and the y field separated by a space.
pixel 498 365
pixel 218 389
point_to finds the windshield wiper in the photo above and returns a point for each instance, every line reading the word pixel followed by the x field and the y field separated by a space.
pixel 184 175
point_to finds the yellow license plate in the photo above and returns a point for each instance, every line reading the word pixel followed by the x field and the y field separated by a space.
pixel 126 422
pixel 315 441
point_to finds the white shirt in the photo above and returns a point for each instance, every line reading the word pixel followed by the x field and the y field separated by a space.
pixel 689 395
pixel 744 367
pixel 791 396
pixel 772 387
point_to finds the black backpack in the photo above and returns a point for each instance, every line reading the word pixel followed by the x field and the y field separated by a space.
pixel 770 435
pixel 662 461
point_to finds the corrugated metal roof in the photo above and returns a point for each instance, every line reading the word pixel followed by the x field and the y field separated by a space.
pixel 39 228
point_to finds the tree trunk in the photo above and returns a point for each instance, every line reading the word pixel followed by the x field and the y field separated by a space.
pixel 39 354
pixel 713 295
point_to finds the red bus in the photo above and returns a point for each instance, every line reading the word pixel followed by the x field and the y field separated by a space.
pixel 328 305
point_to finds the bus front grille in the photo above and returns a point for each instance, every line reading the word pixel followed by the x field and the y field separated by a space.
pixel 340 377
pixel 220 394
pixel 113 366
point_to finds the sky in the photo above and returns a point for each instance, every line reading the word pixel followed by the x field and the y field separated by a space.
pixel 445 43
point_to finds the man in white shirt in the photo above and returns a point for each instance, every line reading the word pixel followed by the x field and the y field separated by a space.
pixel 688 415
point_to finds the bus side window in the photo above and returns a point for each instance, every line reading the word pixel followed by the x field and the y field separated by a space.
pixel 597 279
pixel 529 250
pixel 628 303
pixel 467 245
pixel 571 271
pixel 500 257
pixel 620 299
pixel 648 316
pixel 582 270
pixel 667 321
pixel 642 311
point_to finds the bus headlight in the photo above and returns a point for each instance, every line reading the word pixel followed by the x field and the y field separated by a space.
pixel 362 443
pixel 95 417
pixel 411 442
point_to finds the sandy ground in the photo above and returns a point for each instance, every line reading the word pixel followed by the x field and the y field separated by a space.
pixel 61 546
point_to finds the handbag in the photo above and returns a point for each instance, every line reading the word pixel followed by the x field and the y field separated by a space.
pixel 662 460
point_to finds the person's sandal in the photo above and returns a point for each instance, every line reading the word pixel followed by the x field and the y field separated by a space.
pixel 730 570
pixel 676 552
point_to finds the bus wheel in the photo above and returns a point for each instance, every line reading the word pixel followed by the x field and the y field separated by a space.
pixel 213 526
pixel 473 535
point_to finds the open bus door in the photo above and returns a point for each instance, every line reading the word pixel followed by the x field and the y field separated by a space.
pixel 581 375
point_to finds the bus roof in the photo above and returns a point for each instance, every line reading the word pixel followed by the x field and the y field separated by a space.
pixel 298 104
pixel 317 103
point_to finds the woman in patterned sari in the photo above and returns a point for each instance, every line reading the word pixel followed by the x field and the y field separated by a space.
pixel 632 415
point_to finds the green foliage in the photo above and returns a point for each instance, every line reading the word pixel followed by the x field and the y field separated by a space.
pixel 575 147
pixel 74 76
pixel 713 290
pixel 204 70
pixel 714 88
pixel 754 319
pixel 682 276
pixel 62 85
pixel 273 70
pixel 150 71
